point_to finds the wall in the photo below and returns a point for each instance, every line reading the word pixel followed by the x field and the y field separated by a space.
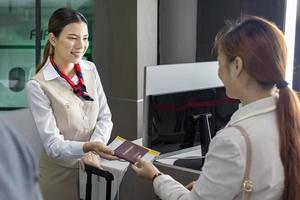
pixel 177 31
pixel 125 42
pixel 296 78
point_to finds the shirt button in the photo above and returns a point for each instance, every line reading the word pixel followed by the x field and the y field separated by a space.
pixel 85 117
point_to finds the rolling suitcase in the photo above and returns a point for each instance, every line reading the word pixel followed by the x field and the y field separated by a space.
pixel 90 170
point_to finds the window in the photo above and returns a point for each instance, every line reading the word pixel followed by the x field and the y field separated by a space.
pixel 17 44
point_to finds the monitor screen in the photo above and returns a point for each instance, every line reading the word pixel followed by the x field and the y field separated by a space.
pixel 184 106
pixel 184 119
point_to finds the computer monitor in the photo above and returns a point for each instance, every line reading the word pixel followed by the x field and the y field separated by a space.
pixel 184 105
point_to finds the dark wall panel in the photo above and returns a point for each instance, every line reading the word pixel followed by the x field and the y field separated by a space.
pixel 273 10
pixel 296 78
pixel 213 13
pixel 211 17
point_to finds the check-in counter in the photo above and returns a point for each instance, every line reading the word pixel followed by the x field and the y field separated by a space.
pixel 135 188
pixel 127 185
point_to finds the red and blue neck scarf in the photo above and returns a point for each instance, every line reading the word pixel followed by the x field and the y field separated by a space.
pixel 80 88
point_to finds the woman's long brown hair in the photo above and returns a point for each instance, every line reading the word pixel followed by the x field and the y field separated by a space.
pixel 262 47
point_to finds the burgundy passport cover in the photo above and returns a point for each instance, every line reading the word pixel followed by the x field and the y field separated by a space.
pixel 130 151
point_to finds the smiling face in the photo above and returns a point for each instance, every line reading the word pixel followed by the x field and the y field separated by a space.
pixel 71 44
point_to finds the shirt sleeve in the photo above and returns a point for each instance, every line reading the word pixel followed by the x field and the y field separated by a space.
pixel 18 170
pixel 221 177
pixel 104 124
pixel 54 143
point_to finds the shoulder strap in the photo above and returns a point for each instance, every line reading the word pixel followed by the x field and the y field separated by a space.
pixel 247 184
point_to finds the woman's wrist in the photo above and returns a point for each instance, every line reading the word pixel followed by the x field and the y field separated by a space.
pixel 155 176
pixel 87 147
pixel 96 146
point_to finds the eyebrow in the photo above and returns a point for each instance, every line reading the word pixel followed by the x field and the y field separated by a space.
pixel 73 34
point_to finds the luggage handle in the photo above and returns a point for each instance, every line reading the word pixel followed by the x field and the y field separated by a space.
pixel 90 170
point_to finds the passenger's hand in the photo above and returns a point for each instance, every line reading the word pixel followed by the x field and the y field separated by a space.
pixel 100 149
pixel 90 159
pixel 144 169
pixel 190 185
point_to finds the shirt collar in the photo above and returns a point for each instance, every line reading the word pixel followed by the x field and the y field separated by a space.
pixel 258 107
pixel 50 73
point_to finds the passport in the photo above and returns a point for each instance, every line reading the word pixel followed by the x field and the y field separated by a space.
pixel 130 151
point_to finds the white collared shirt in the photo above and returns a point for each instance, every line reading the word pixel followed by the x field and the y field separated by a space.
pixel 223 171
pixel 53 142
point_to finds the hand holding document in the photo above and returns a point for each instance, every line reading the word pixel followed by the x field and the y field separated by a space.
pixel 117 167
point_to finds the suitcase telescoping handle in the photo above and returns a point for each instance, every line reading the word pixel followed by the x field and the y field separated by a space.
pixel 99 172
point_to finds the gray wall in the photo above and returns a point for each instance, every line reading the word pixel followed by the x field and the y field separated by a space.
pixel 125 41
pixel 178 31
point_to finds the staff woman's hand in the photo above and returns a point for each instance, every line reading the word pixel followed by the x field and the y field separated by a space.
pixel 144 169
pixel 100 149
pixel 90 159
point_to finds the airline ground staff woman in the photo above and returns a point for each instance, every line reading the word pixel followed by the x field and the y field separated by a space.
pixel 69 106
